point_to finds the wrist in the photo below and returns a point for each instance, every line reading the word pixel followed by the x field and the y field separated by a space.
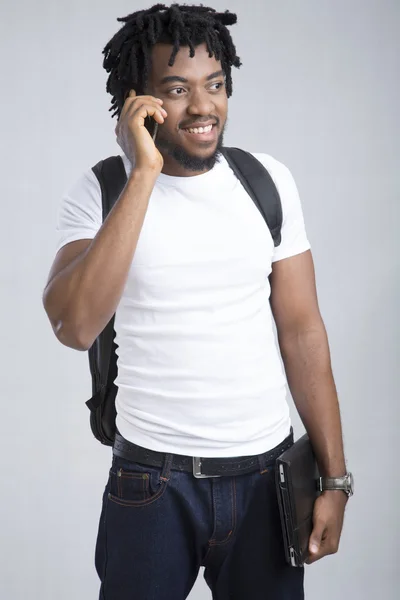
pixel 332 469
pixel 341 495
pixel 148 173
pixel 333 473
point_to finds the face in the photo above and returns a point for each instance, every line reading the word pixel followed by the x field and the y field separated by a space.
pixel 194 95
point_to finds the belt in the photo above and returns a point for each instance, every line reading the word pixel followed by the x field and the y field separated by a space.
pixel 200 467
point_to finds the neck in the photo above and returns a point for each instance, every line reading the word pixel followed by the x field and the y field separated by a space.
pixel 174 169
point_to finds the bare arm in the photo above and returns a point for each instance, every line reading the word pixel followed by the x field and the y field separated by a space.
pixel 305 352
pixel 88 277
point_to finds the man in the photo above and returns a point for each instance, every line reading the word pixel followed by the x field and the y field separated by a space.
pixel 188 265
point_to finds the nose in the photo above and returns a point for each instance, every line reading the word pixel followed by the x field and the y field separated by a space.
pixel 200 103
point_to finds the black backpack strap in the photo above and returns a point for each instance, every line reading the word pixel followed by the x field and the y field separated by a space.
pixel 112 178
pixel 260 186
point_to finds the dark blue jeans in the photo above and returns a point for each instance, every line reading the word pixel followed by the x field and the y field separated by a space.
pixel 159 526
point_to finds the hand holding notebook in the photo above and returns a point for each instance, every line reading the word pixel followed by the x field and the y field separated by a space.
pixel 304 510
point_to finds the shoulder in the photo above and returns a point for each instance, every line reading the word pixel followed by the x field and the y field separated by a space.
pixel 294 237
pixel 85 184
pixel 80 209
pixel 86 188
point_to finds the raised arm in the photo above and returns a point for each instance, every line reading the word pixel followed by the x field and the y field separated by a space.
pixel 87 278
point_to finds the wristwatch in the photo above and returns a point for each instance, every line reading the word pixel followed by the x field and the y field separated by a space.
pixel 346 484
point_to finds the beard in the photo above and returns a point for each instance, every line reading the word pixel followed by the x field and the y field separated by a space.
pixel 188 161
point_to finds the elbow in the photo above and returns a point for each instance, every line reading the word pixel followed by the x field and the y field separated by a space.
pixel 293 333
pixel 70 333
pixel 68 329
pixel 70 326
pixel 72 337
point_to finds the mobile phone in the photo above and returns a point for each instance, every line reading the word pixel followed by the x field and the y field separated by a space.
pixel 151 126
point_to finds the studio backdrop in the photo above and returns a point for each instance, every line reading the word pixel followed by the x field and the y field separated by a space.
pixel 319 90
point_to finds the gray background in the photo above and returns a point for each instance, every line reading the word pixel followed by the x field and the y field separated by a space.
pixel 319 90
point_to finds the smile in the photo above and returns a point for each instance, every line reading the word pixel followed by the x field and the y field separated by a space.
pixel 208 133
pixel 200 129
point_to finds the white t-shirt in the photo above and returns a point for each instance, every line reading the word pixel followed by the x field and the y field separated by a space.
pixel 199 371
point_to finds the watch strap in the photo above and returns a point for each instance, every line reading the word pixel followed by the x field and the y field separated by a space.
pixel 333 483
pixel 344 484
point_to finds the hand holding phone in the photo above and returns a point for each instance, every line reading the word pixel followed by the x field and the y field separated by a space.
pixel 135 135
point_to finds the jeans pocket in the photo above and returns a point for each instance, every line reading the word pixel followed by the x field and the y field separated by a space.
pixel 133 484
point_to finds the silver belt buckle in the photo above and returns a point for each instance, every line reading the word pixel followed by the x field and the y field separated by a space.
pixel 197 469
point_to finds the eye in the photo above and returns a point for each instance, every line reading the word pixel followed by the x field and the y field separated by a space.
pixel 176 91
pixel 220 85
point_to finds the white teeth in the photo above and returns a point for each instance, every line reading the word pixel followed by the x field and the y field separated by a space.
pixel 200 129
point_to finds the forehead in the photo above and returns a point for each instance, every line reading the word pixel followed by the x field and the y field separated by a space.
pixel 198 67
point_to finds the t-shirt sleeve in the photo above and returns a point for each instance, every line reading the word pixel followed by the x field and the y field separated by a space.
pixel 80 211
pixel 294 237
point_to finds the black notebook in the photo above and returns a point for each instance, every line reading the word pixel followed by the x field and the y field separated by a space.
pixel 296 479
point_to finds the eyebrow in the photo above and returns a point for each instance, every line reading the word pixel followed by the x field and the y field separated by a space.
pixel 171 78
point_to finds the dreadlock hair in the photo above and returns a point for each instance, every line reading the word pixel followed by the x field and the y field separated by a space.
pixel 127 56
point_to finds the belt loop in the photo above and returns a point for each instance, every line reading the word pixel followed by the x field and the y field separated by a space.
pixel 166 469
pixel 262 464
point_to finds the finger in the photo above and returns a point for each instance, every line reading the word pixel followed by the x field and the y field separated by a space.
pixel 331 544
pixel 130 99
pixel 132 96
pixel 316 537
pixel 314 558
pixel 328 546
pixel 150 110
pixel 132 104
